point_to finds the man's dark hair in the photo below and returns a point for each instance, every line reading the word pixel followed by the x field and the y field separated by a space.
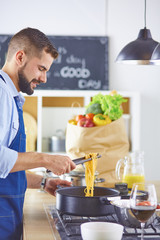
pixel 32 41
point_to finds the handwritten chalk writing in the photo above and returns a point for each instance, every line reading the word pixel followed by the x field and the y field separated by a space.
pixel 58 60
pixel 75 60
pixel 93 84
pixel 62 51
pixel 82 63
pixel 71 72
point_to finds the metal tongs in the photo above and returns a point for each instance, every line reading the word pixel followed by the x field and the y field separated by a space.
pixel 83 159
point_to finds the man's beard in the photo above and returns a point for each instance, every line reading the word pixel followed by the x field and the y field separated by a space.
pixel 23 83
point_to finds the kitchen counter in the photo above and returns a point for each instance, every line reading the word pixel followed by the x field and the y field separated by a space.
pixel 36 224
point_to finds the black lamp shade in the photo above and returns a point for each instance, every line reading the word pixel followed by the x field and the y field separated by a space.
pixel 155 59
pixel 138 51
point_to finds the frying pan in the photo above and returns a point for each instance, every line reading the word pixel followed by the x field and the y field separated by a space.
pixel 72 201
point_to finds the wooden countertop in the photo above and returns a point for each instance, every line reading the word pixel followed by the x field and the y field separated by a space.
pixel 36 223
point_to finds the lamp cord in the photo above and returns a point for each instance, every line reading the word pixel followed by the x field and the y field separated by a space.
pixel 144 13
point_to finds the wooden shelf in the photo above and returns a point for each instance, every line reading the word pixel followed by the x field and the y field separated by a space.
pixel 65 99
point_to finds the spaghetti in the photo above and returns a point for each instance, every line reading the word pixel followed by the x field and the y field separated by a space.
pixel 90 168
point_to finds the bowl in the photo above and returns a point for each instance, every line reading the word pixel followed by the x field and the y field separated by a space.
pixel 101 231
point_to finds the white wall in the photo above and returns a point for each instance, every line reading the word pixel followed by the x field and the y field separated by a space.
pixel 121 21
pixel 59 17
pixel 125 19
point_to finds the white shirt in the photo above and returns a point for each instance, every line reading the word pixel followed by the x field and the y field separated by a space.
pixel 9 123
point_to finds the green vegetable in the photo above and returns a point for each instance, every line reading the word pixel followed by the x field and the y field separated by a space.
pixel 95 108
pixel 109 104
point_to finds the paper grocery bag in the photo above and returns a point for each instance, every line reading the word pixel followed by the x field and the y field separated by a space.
pixel 110 141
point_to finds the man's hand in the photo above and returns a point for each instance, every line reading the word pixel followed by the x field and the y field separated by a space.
pixel 59 164
pixel 52 185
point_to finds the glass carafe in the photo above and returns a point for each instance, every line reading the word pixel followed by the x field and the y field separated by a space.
pixel 133 169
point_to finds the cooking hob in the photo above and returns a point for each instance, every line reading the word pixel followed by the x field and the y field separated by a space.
pixel 67 227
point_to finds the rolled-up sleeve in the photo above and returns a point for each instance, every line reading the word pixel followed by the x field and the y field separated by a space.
pixel 8 158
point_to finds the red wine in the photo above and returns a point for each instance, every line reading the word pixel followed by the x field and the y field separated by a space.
pixel 143 213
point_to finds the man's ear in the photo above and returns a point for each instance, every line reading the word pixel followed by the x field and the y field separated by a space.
pixel 20 58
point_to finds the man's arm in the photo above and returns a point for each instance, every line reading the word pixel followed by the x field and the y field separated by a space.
pixel 33 180
pixel 51 185
pixel 58 164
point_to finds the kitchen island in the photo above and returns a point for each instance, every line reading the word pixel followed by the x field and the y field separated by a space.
pixel 36 223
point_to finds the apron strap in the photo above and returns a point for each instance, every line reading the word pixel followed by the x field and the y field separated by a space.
pixel 2 78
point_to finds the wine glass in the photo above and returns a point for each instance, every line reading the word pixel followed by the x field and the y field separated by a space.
pixel 143 203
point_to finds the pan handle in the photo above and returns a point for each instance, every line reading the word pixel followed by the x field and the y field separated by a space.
pixel 107 200
pixel 104 200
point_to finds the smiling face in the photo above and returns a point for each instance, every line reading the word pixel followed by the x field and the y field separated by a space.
pixel 29 57
pixel 33 72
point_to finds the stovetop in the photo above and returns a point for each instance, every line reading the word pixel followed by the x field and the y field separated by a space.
pixel 67 227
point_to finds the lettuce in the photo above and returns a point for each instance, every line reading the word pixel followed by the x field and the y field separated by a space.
pixel 110 104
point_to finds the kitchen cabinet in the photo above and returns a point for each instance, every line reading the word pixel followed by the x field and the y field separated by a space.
pixel 53 108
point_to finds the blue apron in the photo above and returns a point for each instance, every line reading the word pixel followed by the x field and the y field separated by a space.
pixel 12 189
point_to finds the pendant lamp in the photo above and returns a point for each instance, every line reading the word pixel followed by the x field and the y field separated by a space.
pixel 155 59
pixel 139 51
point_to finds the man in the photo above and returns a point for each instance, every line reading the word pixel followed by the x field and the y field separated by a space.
pixel 30 55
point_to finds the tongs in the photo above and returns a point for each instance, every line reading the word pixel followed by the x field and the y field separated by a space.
pixel 82 160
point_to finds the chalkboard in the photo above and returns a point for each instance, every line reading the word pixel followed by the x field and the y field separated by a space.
pixel 4 40
pixel 82 63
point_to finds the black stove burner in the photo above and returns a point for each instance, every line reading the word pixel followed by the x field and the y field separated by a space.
pixel 69 226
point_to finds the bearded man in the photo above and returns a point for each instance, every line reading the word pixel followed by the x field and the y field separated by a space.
pixel 29 57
